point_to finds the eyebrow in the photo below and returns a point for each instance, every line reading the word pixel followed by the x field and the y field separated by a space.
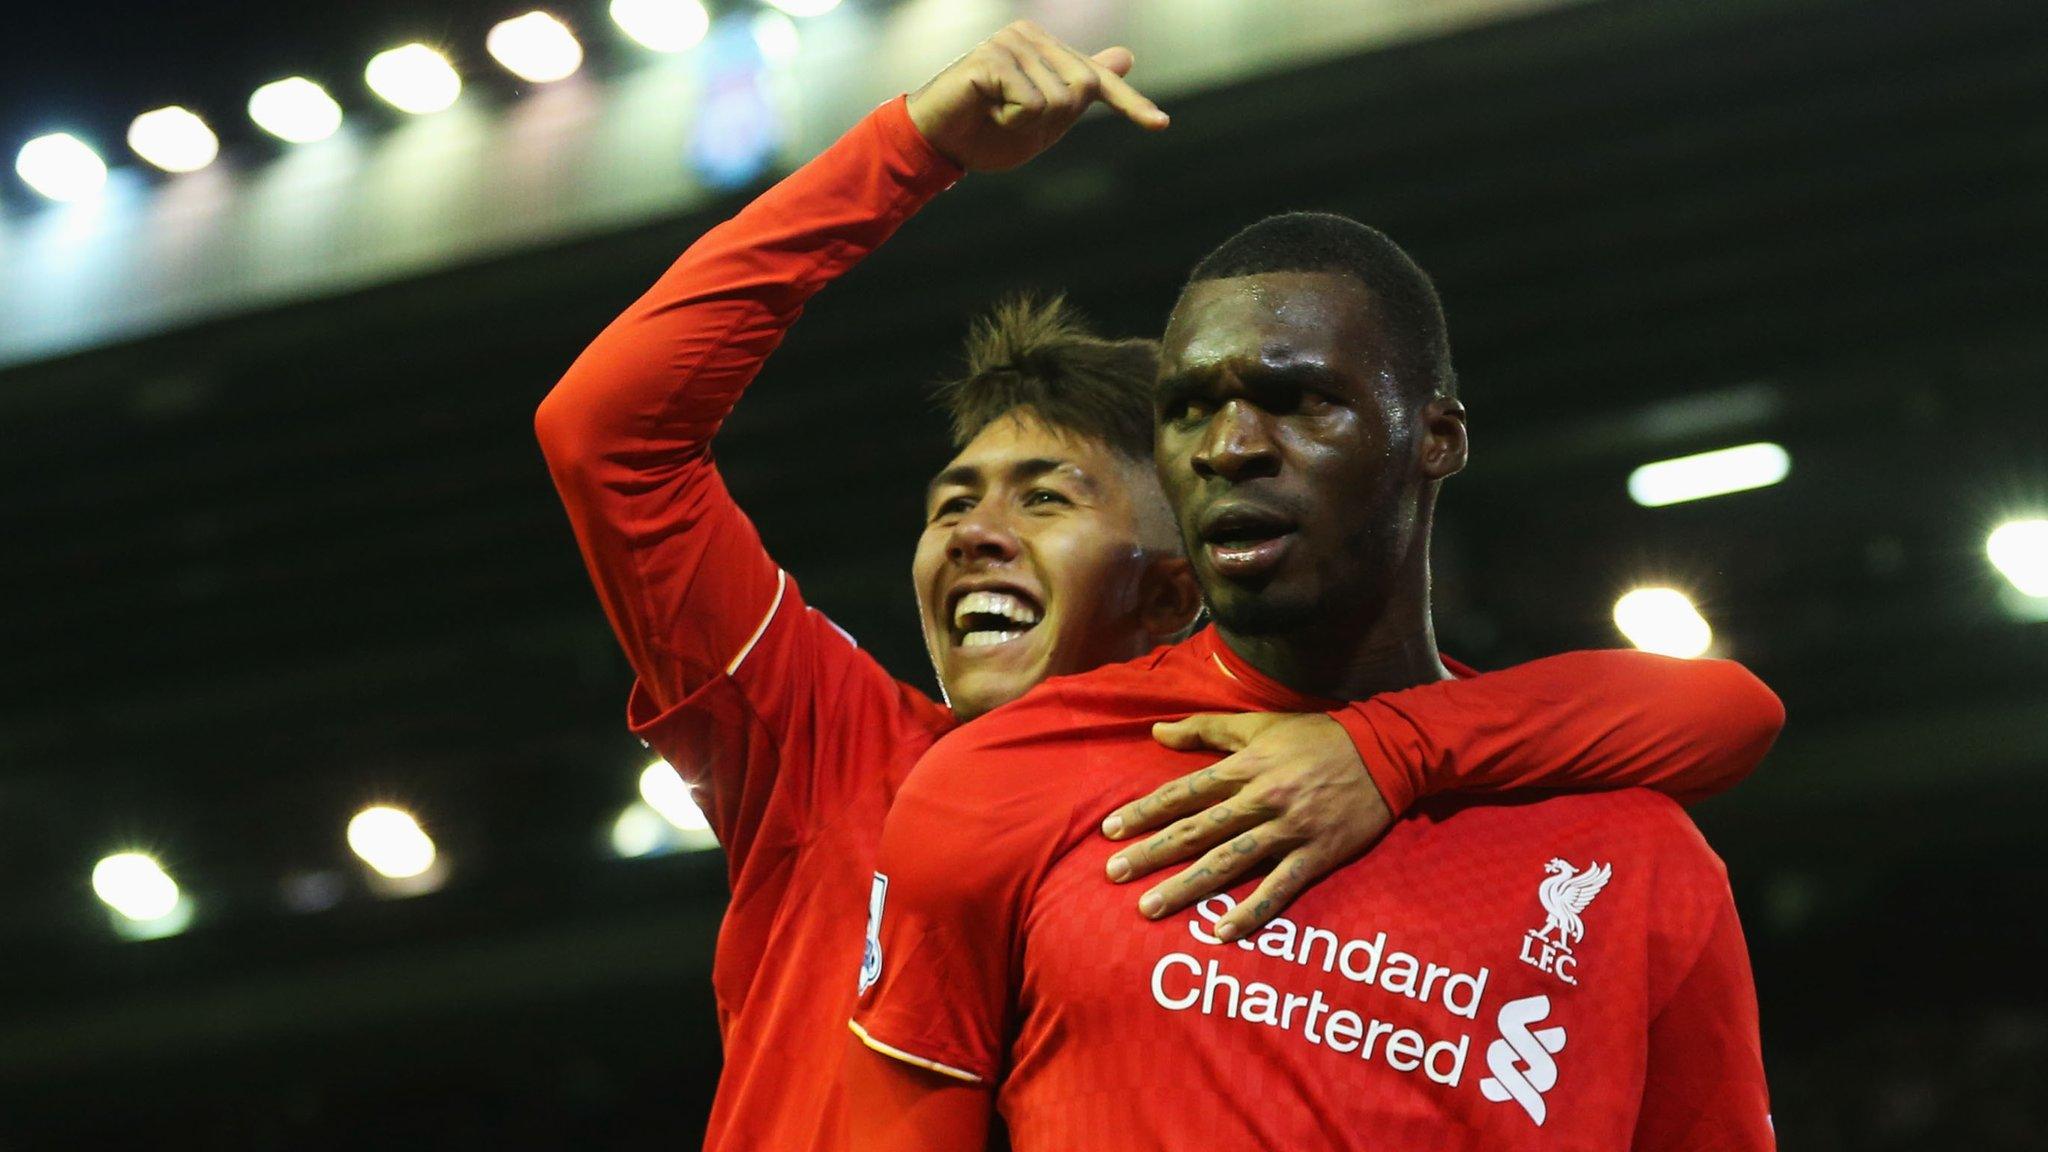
pixel 968 475
pixel 1294 374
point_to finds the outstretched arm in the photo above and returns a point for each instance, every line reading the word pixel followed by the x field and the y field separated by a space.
pixel 1303 794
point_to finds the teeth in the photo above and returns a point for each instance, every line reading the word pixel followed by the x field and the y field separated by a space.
pixel 985 639
pixel 1001 604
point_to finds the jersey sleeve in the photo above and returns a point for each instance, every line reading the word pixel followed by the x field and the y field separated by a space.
pixel 693 597
pixel 1582 720
pixel 965 844
pixel 893 1106
pixel 1704 1088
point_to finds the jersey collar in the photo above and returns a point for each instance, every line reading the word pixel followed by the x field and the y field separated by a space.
pixel 1272 694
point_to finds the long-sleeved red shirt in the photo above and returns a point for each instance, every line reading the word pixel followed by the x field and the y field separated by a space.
pixel 1529 973
pixel 795 741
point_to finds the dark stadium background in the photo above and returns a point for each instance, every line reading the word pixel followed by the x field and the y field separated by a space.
pixel 261 569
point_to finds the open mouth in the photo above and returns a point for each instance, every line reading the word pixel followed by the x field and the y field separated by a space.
pixel 1244 540
pixel 987 617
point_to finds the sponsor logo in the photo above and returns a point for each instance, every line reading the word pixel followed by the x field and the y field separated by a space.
pixel 1521 1059
pixel 871 955
pixel 1565 893
pixel 1361 975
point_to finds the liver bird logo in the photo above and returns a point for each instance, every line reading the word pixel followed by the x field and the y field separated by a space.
pixel 1564 895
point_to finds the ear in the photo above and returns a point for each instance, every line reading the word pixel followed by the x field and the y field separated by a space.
pixel 1172 599
pixel 1443 438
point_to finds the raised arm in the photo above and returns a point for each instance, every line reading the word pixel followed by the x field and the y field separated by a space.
pixel 627 432
pixel 1301 795
pixel 729 664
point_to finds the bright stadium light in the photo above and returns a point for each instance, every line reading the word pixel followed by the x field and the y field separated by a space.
pixel 641 831
pixel 535 47
pixel 295 110
pixel 173 139
pixel 2019 550
pixel 413 78
pixel 776 36
pixel 61 167
pixel 136 886
pixel 662 25
pixel 803 8
pixel 1708 474
pixel 1663 621
pixel 665 792
pixel 391 842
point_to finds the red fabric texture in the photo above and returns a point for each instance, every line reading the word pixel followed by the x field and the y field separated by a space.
pixel 1412 1000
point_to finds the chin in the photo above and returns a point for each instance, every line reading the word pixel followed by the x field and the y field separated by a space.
pixel 1268 612
pixel 973 694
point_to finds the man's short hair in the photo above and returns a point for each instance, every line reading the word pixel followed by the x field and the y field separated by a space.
pixel 1327 242
pixel 1039 354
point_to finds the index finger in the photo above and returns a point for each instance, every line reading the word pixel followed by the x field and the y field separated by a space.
pixel 1108 66
pixel 1172 800
pixel 1118 94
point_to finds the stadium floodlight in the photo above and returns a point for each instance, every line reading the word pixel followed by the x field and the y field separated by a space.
pixel 413 78
pixel 1662 620
pixel 804 8
pixel 2019 550
pixel 1708 474
pixel 662 25
pixel 641 831
pixel 295 110
pixel 535 47
pixel 391 842
pixel 173 139
pixel 61 167
pixel 136 886
pixel 776 36
pixel 665 792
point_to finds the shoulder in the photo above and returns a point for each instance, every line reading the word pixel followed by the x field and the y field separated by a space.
pixel 1067 712
pixel 985 810
pixel 1028 747
pixel 1636 851
pixel 1653 827
pixel 1046 758
pixel 1644 832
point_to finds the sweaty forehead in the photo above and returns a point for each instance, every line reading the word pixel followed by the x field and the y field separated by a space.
pixel 1273 319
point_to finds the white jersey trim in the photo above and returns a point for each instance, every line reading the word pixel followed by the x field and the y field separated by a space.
pixel 907 1058
pixel 781 583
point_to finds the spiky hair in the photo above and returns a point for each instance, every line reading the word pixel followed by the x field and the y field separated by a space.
pixel 1038 353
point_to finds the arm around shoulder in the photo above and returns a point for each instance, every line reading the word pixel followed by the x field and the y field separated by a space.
pixel 1581 720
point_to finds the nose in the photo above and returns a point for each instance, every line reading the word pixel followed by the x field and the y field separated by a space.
pixel 982 534
pixel 1237 445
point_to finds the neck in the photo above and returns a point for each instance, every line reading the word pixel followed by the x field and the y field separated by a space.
pixel 1347 660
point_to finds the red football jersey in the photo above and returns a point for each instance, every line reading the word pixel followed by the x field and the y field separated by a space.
pixel 795 741
pixel 1561 972
pixel 792 738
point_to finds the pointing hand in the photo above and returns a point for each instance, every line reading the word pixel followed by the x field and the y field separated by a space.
pixel 1017 93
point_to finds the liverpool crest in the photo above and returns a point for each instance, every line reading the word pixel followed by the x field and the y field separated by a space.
pixel 1564 894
